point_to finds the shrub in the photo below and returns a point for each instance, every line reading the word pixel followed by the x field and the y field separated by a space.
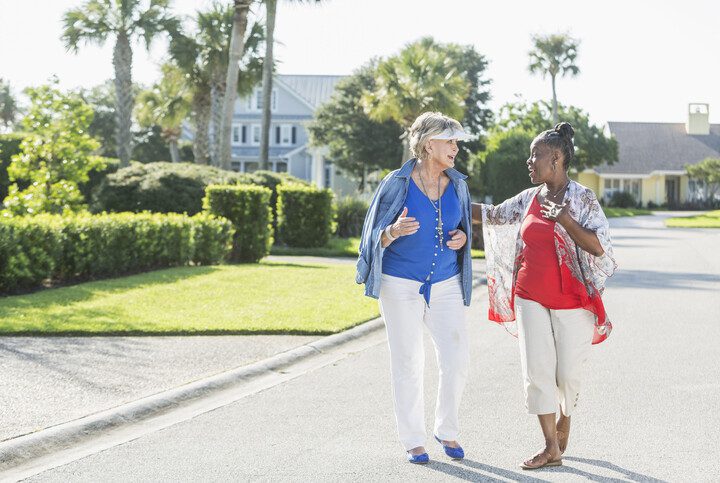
pixel 305 215
pixel 248 208
pixel 9 146
pixel 97 175
pixel 350 217
pixel 622 199
pixel 160 187
pixel 72 248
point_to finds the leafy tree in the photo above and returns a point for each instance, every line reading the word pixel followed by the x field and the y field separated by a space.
pixel 707 171
pixel 56 155
pixel 8 106
pixel 166 105
pixel 125 20
pixel 554 55
pixel 592 147
pixel 202 54
pixel 502 170
pixel 422 77
pixel 357 144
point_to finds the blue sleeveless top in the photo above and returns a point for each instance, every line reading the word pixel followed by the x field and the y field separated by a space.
pixel 420 256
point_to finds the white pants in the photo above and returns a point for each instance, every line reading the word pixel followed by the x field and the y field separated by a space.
pixel 405 311
pixel 554 345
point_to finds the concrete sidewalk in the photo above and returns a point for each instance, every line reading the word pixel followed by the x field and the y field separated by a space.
pixel 49 381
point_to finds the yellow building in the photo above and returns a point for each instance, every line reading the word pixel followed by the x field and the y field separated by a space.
pixel 652 159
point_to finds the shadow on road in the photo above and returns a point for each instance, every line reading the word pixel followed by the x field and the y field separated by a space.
pixel 465 470
pixel 627 474
pixel 663 280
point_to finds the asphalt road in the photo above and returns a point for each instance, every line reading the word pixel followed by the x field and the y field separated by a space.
pixel 649 409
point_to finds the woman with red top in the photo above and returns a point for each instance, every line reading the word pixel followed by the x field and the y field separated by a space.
pixel 548 254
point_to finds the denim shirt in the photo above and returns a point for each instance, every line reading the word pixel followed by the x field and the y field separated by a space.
pixel 386 206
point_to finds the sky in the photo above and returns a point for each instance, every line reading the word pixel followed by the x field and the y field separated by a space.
pixel 639 60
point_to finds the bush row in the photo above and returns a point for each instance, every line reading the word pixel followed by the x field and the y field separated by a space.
pixel 35 250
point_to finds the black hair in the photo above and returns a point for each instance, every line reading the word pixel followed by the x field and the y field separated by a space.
pixel 560 138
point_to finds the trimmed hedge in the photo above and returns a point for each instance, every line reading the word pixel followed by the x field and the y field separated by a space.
pixel 35 250
pixel 160 187
pixel 248 208
pixel 350 217
pixel 305 216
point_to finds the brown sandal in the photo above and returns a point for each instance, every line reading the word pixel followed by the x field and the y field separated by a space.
pixel 544 461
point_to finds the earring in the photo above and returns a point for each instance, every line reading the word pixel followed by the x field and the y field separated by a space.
pixel 553 166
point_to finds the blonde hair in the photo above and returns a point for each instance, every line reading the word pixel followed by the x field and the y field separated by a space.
pixel 427 125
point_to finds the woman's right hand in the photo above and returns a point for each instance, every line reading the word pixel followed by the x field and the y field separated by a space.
pixel 404 225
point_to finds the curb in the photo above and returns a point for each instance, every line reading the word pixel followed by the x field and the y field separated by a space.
pixel 23 449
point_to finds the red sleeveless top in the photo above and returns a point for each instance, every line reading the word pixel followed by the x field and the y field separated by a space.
pixel 539 278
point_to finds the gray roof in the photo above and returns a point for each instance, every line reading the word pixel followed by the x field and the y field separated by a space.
pixel 315 89
pixel 653 146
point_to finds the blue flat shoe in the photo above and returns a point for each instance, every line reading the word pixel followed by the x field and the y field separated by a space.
pixel 418 459
pixel 454 453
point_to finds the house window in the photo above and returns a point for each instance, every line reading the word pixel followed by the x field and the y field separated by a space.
pixel 251 166
pixel 328 174
pixel 616 185
pixel 286 137
pixel 243 137
pixel 281 167
pixel 236 134
pixel 255 134
pixel 255 101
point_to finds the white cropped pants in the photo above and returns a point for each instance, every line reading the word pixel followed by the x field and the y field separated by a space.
pixel 405 312
pixel 554 345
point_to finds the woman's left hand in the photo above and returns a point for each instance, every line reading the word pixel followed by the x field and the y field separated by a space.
pixel 553 211
pixel 458 240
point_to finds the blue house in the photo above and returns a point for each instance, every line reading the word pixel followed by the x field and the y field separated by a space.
pixel 294 101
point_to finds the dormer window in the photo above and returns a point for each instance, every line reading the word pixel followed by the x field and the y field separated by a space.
pixel 255 101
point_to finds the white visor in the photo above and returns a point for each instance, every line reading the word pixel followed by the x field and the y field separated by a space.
pixel 453 133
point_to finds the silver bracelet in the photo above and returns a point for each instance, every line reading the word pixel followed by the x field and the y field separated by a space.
pixel 387 233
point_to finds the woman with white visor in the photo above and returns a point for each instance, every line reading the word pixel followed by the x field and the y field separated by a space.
pixel 415 258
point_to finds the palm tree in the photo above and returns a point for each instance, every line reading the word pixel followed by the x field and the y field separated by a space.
pixel 237 49
pixel 167 104
pixel 203 56
pixel 125 20
pixel 552 55
pixel 422 77
pixel 267 80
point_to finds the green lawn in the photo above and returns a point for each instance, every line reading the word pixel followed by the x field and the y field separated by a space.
pixel 234 299
pixel 337 247
pixel 616 212
pixel 711 219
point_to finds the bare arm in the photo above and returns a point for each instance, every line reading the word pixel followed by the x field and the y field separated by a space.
pixel 584 238
pixel 476 213
pixel 403 226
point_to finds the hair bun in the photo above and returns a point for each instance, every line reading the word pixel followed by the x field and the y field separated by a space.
pixel 565 130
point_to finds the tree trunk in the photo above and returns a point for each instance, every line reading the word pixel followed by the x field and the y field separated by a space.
pixel 172 137
pixel 237 48
pixel 554 103
pixel 201 144
pixel 217 95
pixel 406 147
pixel 124 100
pixel 267 81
